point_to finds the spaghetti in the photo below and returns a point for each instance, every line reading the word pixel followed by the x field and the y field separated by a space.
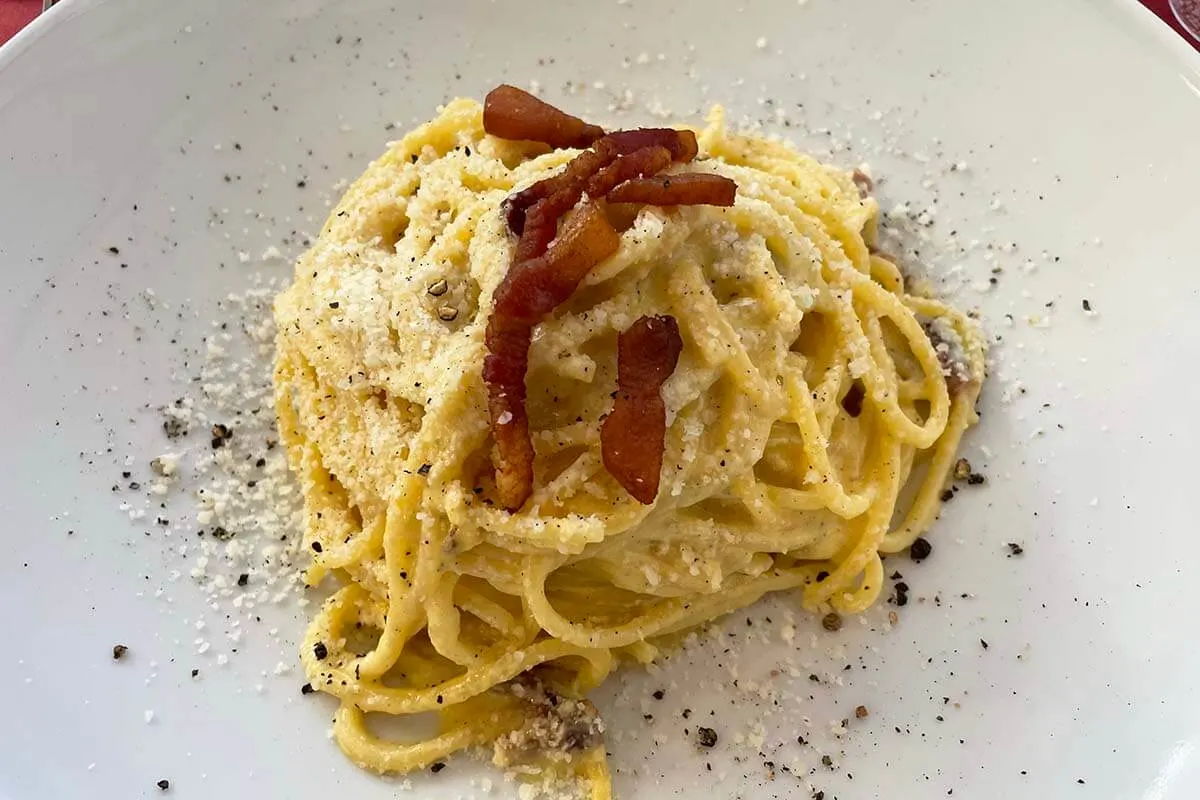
pixel 811 423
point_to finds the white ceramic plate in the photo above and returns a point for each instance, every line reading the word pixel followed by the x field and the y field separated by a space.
pixel 1077 124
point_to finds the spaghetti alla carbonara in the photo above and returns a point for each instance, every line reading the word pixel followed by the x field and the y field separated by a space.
pixel 812 421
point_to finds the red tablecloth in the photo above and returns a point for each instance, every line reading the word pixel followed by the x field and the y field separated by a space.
pixel 15 14
pixel 1161 8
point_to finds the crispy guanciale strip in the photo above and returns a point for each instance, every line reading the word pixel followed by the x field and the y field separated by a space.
pixel 541 224
pixel 548 265
pixel 684 189
pixel 682 144
pixel 567 183
pixel 510 113
pixel 572 180
pixel 638 164
pixel 541 221
pixel 632 437
pixel 529 292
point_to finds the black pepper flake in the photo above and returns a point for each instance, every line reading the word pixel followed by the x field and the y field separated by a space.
pixel 920 549
pixel 1087 306
pixel 822 575
pixel 658 694
pixel 437 767
pixel 1014 549
pixel 975 479
pixel 440 699
pixel 947 495
pixel 820 795
pixel 861 712
pixel 424 469
pixel 853 401
pixel 320 651
pixel 195 673
pixel 334 304
pixel 221 534
pixel 316 546
pixel 119 651
pixel 687 713
pixel 984 643
pixel 831 622
pixel 301 184
pixel 164 784
pixel 116 251
pixel 243 579
pixel 827 761
pixel 262 462
pixel 706 737
pixel 307 689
